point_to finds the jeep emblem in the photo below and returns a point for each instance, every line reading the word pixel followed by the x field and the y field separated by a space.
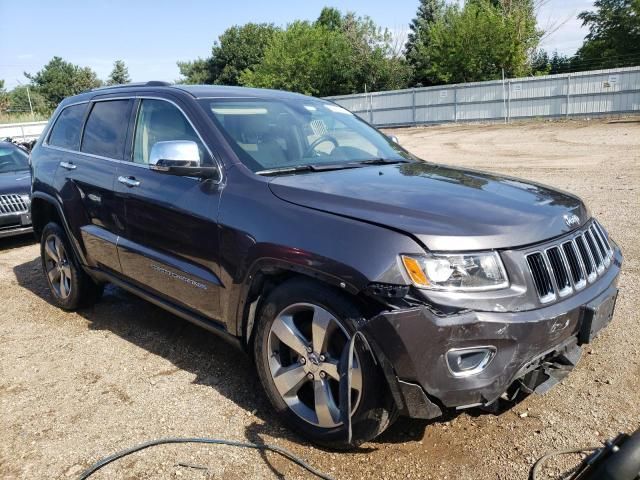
pixel 571 220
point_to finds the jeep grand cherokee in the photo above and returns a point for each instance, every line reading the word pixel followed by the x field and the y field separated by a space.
pixel 365 282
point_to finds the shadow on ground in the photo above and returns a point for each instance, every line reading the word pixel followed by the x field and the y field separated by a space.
pixel 215 363
pixel 19 241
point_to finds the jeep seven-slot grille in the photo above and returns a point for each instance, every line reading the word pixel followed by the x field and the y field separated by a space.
pixel 12 204
pixel 561 269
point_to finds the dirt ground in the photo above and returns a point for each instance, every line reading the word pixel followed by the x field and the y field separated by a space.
pixel 78 386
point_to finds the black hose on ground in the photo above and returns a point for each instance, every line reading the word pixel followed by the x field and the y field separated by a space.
pixel 213 441
pixel 536 466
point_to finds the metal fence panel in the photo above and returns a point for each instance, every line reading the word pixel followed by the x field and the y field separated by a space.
pixel 613 91
pixel 23 131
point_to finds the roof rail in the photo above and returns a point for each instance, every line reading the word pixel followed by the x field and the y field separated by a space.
pixel 152 83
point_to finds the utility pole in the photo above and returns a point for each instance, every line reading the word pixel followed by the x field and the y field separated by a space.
pixel 33 117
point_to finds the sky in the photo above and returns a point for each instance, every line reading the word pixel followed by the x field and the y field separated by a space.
pixel 150 36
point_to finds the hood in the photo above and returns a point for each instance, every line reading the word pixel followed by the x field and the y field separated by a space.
pixel 15 182
pixel 446 208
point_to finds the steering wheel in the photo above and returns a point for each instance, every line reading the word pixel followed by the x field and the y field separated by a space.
pixel 318 141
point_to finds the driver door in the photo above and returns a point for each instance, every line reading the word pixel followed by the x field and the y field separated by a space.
pixel 170 244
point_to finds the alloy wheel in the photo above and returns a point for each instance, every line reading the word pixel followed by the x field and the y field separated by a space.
pixel 305 344
pixel 57 266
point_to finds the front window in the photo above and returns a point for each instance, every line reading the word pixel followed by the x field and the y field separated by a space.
pixel 160 121
pixel 13 159
pixel 272 134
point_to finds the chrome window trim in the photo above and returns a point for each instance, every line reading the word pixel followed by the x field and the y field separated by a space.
pixel 46 144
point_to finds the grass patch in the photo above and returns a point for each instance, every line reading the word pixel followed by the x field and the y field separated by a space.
pixel 21 117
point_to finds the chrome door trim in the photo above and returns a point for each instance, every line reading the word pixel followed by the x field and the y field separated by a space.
pixel 129 181
pixel 68 165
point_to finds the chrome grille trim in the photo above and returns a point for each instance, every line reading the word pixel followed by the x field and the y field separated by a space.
pixel 559 270
pixel 13 204
pixel 562 268
pixel 539 268
pixel 576 267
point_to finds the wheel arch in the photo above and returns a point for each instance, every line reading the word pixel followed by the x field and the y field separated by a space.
pixel 44 209
pixel 267 274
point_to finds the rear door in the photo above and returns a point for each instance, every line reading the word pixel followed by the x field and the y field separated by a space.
pixel 86 172
pixel 170 242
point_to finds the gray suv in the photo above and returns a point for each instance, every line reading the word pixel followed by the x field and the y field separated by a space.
pixel 365 282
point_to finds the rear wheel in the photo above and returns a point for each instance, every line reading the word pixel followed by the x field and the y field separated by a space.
pixel 70 286
pixel 302 331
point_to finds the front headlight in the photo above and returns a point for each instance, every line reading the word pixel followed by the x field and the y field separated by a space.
pixel 460 272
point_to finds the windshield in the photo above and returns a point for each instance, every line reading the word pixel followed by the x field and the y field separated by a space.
pixel 271 134
pixel 13 159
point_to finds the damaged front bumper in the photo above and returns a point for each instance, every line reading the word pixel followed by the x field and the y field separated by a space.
pixel 533 350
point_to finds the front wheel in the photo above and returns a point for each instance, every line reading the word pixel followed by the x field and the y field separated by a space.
pixel 69 285
pixel 302 331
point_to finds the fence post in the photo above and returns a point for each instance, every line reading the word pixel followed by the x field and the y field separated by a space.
pixel 455 104
pixel 504 99
pixel 413 106
pixel 371 108
pixel 509 101
pixel 568 94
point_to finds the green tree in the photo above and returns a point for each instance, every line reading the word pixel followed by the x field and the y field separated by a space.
pixel 330 57
pixel 4 99
pixel 614 35
pixel 19 101
pixel 477 41
pixel 331 18
pixel 305 58
pixel 560 63
pixel 238 48
pixel 119 75
pixel 419 38
pixel 543 64
pixel 59 79
pixel 374 61
pixel 196 72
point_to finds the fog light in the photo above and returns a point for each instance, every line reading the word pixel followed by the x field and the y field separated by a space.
pixel 463 362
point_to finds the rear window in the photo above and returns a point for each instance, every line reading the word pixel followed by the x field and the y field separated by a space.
pixel 106 129
pixel 66 130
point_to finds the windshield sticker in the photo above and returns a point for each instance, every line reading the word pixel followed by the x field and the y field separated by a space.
pixel 319 127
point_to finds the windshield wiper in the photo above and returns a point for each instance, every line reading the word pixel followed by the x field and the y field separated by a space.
pixel 381 161
pixel 306 168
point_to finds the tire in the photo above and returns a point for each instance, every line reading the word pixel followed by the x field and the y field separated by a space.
pixel 70 287
pixel 304 307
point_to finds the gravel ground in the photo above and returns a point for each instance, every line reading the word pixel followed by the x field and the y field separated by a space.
pixel 77 386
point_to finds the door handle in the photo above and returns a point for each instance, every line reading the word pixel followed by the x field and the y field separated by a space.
pixel 68 165
pixel 129 181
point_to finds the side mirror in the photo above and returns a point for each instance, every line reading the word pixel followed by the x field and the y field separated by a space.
pixel 394 139
pixel 181 158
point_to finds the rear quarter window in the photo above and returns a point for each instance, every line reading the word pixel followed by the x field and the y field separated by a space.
pixel 105 133
pixel 66 131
